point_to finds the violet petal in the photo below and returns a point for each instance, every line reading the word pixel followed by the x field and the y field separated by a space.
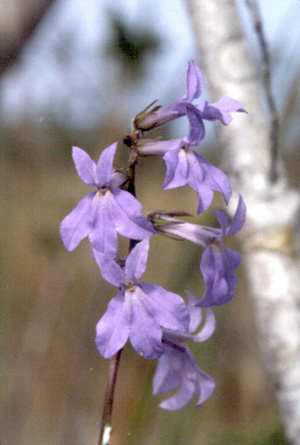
pixel 215 178
pixel 78 223
pixel 110 270
pixel 105 164
pixel 194 82
pixel 169 309
pixel 238 219
pixel 136 261
pixel 218 265
pixel 85 166
pixel 112 330
pixel 145 332
pixel 103 235
pixel 128 217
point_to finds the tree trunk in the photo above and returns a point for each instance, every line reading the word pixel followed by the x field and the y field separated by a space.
pixel 271 254
pixel 18 20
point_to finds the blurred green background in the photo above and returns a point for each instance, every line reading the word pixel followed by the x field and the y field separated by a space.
pixel 52 376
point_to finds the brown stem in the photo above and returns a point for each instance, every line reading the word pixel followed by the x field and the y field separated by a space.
pixel 105 432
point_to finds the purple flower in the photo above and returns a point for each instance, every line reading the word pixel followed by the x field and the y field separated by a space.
pixel 177 366
pixel 218 263
pixel 158 116
pixel 105 211
pixel 139 310
pixel 194 86
pixel 185 166
pixel 158 147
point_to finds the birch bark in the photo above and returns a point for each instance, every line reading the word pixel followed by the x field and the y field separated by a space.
pixel 271 253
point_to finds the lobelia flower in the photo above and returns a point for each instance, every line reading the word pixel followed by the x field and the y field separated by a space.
pixel 194 81
pixel 106 210
pixel 177 366
pixel 218 263
pixel 185 166
pixel 139 310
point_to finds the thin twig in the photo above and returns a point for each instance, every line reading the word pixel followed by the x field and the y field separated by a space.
pixel 105 432
pixel 274 130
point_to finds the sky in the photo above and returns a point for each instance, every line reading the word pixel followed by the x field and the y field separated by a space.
pixel 64 73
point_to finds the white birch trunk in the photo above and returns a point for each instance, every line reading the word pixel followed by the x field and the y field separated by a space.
pixel 271 253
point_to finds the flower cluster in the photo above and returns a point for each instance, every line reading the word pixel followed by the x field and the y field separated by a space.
pixel 156 321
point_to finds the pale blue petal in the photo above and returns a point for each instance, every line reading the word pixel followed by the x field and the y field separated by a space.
pixel 105 165
pixel 110 270
pixel 238 219
pixel 218 266
pixel 223 221
pixel 85 166
pixel 194 82
pixel 136 261
pixel 220 110
pixel 196 126
pixel 206 387
pixel 145 333
pixel 197 180
pixel 195 312
pixel 116 180
pixel 177 169
pixel 129 220
pixel 179 365
pixel 169 309
pixel 181 398
pixel 112 330
pixel 208 327
pixel 78 223
pixel 167 374
pixel 157 147
pixel 215 178
pixel 103 234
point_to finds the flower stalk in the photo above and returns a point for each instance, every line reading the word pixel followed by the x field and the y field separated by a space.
pixel 106 428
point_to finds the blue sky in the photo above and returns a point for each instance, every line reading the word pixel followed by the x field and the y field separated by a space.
pixel 82 84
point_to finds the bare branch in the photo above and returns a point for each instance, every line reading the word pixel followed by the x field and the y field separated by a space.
pixel 266 69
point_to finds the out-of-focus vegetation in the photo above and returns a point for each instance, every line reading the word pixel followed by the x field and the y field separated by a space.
pixel 52 377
